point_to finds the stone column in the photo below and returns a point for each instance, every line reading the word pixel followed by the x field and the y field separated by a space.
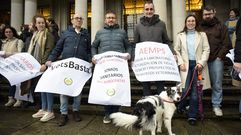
pixel 97 17
pixel 30 10
pixel 178 16
pixel 161 9
pixel 16 14
pixel 81 8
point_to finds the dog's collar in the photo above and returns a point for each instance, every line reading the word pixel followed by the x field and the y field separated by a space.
pixel 167 101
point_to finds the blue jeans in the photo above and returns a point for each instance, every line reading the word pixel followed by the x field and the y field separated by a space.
pixel 147 87
pixel 216 76
pixel 240 106
pixel 193 95
pixel 64 103
pixel 109 109
pixel 12 90
pixel 47 100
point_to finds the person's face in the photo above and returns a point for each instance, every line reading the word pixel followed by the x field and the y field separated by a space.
pixel 208 15
pixel 149 10
pixel 110 19
pixel 191 23
pixel 40 24
pixel 77 21
pixel 8 33
pixel 232 14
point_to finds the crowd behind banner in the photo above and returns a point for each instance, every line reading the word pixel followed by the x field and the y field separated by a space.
pixel 68 60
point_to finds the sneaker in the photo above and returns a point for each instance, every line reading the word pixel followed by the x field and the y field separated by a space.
pixel 10 102
pixel 218 111
pixel 39 114
pixel 76 116
pixel 47 116
pixel 106 120
pixel 18 103
pixel 192 121
pixel 63 120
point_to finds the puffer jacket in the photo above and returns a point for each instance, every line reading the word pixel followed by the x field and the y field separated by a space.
pixel 72 44
pixel 218 38
pixel 110 38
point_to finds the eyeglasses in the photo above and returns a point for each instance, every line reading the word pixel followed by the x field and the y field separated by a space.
pixel 147 9
pixel 110 18
pixel 78 18
pixel 207 14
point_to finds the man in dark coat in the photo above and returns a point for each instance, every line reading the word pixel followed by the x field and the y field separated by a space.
pixel 74 42
pixel 220 45
pixel 151 28
pixel 110 38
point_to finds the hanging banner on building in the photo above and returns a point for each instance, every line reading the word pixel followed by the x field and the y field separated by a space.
pixel 65 77
pixel 111 81
pixel 19 67
pixel 155 62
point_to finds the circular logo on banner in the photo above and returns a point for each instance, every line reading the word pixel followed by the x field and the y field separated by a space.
pixel 110 92
pixel 68 81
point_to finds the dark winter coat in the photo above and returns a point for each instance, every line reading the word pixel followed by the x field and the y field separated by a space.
pixel 237 50
pixel 218 38
pixel 72 44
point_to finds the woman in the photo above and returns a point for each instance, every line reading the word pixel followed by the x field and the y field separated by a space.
pixel 11 44
pixel 192 50
pixel 40 47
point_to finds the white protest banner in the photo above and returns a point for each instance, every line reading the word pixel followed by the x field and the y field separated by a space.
pixel 19 67
pixel 111 81
pixel 155 62
pixel 66 77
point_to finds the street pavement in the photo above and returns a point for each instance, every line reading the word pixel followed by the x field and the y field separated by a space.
pixel 19 122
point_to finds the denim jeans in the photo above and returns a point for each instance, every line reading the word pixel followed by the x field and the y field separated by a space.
pixel 12 90
pixel 64 103
pixel 193 95
pixel 47 101
pixel 216 76
pixel 240 106
pixel 109 109
pixel 147 87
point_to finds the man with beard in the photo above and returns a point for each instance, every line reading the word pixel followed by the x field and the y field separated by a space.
pixel 151 28
pixel 220 44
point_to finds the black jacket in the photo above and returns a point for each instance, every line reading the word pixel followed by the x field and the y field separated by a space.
pixel 237 50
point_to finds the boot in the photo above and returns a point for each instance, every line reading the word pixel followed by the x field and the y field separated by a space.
pixel 10 102
pixel 18 103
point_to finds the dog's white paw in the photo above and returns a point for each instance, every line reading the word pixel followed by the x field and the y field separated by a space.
pixel 159 130
pixel 173 134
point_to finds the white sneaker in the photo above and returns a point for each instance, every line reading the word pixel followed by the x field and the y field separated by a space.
pixel 10 102
pixel 18 103
pixel 48 116
pixel 39 114
pixel 218 111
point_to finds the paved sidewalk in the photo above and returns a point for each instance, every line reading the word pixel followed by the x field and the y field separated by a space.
pixel 20 122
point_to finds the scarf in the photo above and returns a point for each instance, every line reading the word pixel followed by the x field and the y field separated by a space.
pixel 37 44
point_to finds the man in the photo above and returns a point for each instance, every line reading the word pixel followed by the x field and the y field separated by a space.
pixel 237 57
pixel 220 44
pixel 110 38
pixel 74 42
pixel 151 28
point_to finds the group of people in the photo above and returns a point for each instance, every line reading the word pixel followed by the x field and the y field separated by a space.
pixel 199 49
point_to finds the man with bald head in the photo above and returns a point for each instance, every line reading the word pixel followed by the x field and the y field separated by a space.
pixel 74 42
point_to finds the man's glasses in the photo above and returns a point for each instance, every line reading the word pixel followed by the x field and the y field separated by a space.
pixel 78 18
pixel 110 18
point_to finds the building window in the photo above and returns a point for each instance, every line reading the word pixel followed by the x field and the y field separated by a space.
pixel 44 11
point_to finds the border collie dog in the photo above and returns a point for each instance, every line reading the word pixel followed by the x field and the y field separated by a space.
pixel 150 112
